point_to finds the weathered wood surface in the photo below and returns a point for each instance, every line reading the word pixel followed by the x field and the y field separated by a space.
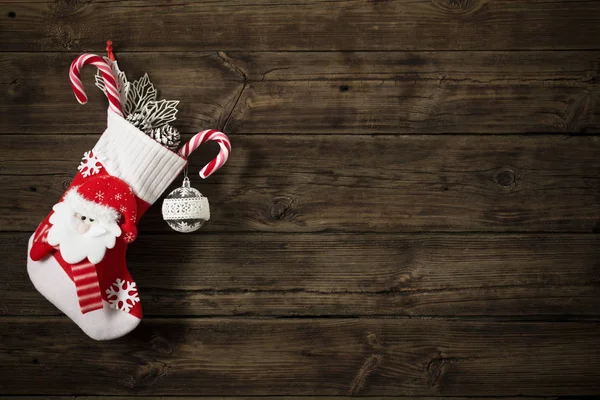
pixel 525 67
pixel 342 259
pixel 271 398
pixel 536 276
pixel 349 183
pixel 413 357
pixel 37 88
pixel 311 25
pixel 334 93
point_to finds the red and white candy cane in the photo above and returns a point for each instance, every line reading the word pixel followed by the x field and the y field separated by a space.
pixel 205 136
pixel 110 83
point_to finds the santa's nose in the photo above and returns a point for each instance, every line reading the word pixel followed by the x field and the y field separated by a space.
pixel 83 228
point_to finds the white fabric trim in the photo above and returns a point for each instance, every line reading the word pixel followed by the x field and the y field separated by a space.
pixel 76 201
pixel 186 208
pixel 130 155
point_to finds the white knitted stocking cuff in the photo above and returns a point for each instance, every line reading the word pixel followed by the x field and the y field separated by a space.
pixel 144 164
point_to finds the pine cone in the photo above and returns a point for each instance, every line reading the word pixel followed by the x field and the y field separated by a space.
pixel 139 122
pixel 166 135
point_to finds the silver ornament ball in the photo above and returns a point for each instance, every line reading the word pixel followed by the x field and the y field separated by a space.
pixel 185 209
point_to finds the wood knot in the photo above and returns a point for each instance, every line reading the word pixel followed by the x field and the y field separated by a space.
pixel 457 6
pixel 373 341
pixel 437 367
pixel 65 7
pixel 63 32
pixel 16 87
pixel 66 36
pixel 161 345
pixel 366 369
pixel 146 375
pixel 282 208
pixel 65 184
pixel 506 178
pixel 434 370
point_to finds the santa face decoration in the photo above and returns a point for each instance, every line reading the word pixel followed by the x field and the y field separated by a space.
pixel 86 222
pixel 82 229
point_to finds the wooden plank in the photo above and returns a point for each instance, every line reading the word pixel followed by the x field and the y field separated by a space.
pixel 334 93
pixel 314 25
pixel 418 92
pixel 38 90
pixel 489 67
pixel 367 107
pixel 275 398
pixel 39 397
pixel 349 183
pixel 374 357
pixel 535 276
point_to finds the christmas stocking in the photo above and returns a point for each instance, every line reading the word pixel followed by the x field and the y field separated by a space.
pixel 76 257
pixel 77 254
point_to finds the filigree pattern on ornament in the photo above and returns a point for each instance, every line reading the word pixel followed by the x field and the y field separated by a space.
pixel 181 208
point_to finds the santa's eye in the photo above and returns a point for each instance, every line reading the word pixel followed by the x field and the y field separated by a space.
pixel 83 217
pixel 91 219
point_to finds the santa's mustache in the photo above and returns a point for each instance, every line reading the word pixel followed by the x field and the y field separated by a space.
pixel 94 231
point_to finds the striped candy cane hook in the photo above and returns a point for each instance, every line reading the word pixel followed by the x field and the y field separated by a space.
pixel 109 81
pixel 202 137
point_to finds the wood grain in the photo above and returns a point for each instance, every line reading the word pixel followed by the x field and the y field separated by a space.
pixel 525 67
pixel 38 90
pixel 399 107
pixel 333 93
pixel 268 398
pixel 276 183
pixel 375 357
pixel 265 25
pixel 343 259
pixel 535 276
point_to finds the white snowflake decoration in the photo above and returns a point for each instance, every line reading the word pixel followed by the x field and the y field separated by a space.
pixel 185 227
pixel 99 196
pixel 118 196
pixel 129 237
pixel 90 164
pixel 123 300
pixel 187 191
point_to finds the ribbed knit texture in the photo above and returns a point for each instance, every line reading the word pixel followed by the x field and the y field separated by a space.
pixel 86 282
pixel 145 165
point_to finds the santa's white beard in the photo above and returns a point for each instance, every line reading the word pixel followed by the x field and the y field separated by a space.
pixel 74 246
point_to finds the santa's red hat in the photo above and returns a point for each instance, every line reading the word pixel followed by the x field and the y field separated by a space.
pixel 111 200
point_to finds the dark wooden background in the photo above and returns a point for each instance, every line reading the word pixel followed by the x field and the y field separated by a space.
pixel 411 209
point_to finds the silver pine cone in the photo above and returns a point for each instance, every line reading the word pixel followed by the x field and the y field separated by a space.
pixel 167 136
pixel 140 122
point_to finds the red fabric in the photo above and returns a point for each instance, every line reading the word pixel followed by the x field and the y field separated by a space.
pixel 112 266
pixel 112 192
